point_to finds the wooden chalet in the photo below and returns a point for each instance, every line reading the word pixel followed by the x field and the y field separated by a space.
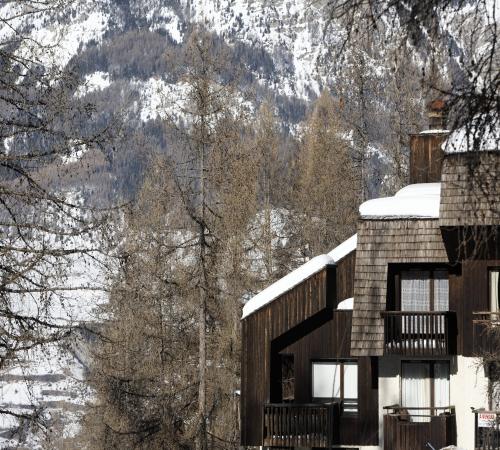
pixel 378 344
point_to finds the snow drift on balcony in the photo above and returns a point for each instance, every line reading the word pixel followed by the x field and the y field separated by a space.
pixel 297 276
pixel 346 304
pixel 413 201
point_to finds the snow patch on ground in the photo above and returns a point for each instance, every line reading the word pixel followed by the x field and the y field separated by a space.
pixel 164 18
pixel 96 81
pixel 55 44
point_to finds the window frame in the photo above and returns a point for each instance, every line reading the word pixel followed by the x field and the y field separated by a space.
pixel 341 362
pixel 489 270
pixel 431 268
pixel 431 363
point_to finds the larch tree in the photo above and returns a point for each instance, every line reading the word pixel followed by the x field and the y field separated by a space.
pixel 328 192
pixel 170 380
pixel 45 227
pixel 266 145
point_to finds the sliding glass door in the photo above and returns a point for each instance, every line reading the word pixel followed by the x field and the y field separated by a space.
pixel 425 386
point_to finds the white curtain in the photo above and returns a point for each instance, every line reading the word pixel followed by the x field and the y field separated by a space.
pixel 415 389
pixel 441 294
pixel 415 296
pixel 441 291
pixel 494 290
pixel 415 290
pixel 416 385
pixel 441 385
pixel 326 380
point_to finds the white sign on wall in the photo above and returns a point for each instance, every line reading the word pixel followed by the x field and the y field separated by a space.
pixel 486 420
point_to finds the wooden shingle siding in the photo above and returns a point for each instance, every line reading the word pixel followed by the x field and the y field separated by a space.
pixel 470 189
pixel 381 242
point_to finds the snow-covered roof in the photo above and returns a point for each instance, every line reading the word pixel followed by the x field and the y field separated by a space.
pixel 462 140
pixel 346 304
pixel 434 131
pixel 297 276
pixel 413 201
pixel 344 249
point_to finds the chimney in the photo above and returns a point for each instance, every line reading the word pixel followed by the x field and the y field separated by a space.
pixel 426 155
pixel 436 113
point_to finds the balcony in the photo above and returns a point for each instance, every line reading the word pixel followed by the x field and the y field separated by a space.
pixel 414 428
pixel 296 425
pixel 419 333
pixel 486 332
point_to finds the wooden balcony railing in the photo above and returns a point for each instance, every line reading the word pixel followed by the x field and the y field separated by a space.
pixel 418 333
pixel 414 428
pixel 487 430
pixel 296 425
pixel 486 332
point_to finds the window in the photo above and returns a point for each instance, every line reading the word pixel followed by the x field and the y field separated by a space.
pixel 425 385
pixel 336 380
pixel 424 290
pixel 287 378
pixel 494 289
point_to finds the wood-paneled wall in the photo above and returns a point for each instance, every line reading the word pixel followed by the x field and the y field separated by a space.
pixel 278 324
pixel 469 293
pixel 303 317
pixel 345 277
pixel 332 341
pixel 426 157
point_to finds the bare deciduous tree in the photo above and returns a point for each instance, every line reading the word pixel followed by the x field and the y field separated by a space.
pixel 45 228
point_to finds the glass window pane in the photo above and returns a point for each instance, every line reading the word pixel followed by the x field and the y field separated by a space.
pixel 441 290
pixel 350 380
pixel 326 380
pixel 415 389
pixel 350 387
pixel 494 290
pixel 415 290
pixel 441 384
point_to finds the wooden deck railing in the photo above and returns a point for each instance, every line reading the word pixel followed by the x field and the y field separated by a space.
pixel 296 425
pixel 487 430
pixel 486 332
pixel 418 333
pixel 414 428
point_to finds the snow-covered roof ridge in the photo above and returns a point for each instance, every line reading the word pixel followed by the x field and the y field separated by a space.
pixel 344 249
pixel 297 276
pixel 434 131
pixel 414 201
pixel 482 135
